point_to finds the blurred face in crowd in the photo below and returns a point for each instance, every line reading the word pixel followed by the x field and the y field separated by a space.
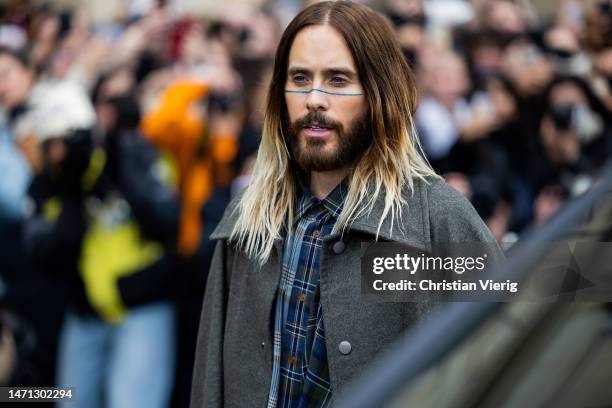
pixel 409 17
pixel 411 38
pixel 559 139
pixel 528 68
pixel 16 81
pixel 486 56
pixel 445 77
pixel 603 63
pixel 562 40
pixel 567 93
pixel 504 15
pixel 405 7
pixel 326 105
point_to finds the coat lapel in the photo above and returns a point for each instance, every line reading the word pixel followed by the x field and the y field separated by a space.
pixel 411 229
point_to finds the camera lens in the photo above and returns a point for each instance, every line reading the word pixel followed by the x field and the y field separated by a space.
pixel 562 116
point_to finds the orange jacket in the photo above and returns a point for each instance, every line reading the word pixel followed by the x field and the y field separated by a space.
pixel 203 161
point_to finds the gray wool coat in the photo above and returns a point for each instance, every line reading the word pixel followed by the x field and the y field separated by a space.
pixel 233 366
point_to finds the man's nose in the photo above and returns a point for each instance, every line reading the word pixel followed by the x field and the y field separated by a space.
pixel 317 100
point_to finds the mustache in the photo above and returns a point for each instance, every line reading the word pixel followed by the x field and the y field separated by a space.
pixel 315 118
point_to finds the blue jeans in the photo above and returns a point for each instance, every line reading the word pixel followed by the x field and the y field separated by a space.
pixel 126 365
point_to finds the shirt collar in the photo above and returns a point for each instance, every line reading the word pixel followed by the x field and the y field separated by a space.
pixel 333 203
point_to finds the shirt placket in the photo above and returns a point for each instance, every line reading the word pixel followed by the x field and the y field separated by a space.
pixel 298 305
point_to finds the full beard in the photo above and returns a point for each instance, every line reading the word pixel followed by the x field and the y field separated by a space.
pixel 308 152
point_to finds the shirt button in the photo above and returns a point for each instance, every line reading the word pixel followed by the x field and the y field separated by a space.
pixel 338 247
pixel 292 359
pixel 316 234
pixel 263 344
pixel 302 297
pixel 345 347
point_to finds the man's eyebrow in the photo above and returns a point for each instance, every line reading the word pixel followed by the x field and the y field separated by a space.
pixel 298 70
pixel 340 70
pixel 328 71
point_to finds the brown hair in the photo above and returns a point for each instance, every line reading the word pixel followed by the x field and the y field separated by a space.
pixel 390 163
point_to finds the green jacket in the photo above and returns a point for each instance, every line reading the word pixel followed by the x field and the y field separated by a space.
pixel 233 366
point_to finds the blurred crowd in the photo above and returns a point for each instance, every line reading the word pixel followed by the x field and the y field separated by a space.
pixel 122 141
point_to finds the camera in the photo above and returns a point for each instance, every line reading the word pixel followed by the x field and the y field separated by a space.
pixel 562 116
pixel 224 102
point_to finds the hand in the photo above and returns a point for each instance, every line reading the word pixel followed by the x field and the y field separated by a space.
pixel 603 62
pixel 8 355
pixel 561 146
pixel 479 127
pixel 461 183
pixel 30 147
pixel 499 220
pixel 220 79
pixel 547 203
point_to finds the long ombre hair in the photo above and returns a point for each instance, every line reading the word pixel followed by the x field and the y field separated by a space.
pixel 392 161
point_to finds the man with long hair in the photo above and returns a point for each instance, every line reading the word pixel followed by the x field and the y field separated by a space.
pixel 283 321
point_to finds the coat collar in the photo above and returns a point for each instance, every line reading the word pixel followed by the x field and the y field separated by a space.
pixel 412 229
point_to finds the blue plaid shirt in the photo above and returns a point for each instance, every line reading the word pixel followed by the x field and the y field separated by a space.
pixel 300 373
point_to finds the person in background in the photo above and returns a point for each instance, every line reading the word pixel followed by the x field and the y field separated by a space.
pixel 599 44
pixel 409 22
pixel 16 158
pixel 445 85
pixel 198 132
pixel 574 138
pixel 105 224
pixel 23 290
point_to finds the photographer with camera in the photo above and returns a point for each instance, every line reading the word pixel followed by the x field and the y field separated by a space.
pixel 574 138
pixel 196 124
pixel 105 225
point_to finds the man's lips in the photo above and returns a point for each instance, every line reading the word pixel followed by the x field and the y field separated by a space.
pixel 313 130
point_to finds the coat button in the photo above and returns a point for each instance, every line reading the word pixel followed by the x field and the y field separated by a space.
pixel 263 344
pixel 338 247
pixel 345 347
